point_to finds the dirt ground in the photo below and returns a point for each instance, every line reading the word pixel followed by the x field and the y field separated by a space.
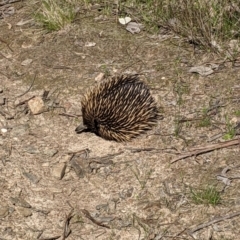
pixel 109 190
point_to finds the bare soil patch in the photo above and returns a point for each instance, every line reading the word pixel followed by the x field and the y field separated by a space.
pixel 110 190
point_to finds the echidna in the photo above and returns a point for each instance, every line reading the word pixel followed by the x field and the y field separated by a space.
pixel 118 109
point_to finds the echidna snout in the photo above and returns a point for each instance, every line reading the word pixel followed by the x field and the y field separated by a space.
pixel 118 109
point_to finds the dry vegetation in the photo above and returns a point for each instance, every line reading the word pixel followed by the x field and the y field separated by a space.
pixel 178 181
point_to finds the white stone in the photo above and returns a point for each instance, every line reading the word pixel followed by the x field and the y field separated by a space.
pixel 36 105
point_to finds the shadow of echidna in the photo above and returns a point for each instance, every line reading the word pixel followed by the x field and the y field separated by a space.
pixel 118 109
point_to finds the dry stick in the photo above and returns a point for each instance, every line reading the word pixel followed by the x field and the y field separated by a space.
pixel 29 87
pixel 88 215
pixel 69 115
pixel 66 230
pixel 24 101
pixel 8 2
pixel 51 238
pixel 199 150
pixel 6 43
pixel 216 220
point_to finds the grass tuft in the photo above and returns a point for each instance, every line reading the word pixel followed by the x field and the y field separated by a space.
pixel 208 195
pixel 55 15
pixel 203 23
pixel 231 131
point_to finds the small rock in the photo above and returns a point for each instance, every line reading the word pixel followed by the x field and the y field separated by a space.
pixel 50 152
pixel 26 62
pixel 90 44
pixel 134 27
pixel 1 90
pixel 78 168
pixel 99 77
pixel 25 212
pixel 36 105
pixel 4 211
pixel 4 130
pixel 59 170
pixel 124 20
pixel 111 207
pixel 32 177
pixel 32 150
pixel 2 101
pixel 19 130
pixel 46 164
pixel 126 193
pixel 20 202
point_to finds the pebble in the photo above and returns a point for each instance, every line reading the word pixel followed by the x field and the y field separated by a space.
pixel 32 177
pixel 99 77
pixel 50 152
pixel 26 62
pixel 25 212
pixel 36 105
pixel 20 202
pixel 2 101
pixel 4 130
pixel 46 164
pixel 32 150
pixel 19 130
pixel 58 170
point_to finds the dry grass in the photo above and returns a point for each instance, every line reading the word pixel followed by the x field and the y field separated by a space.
pixel 138 193
pixel 207 24
pixel 55 15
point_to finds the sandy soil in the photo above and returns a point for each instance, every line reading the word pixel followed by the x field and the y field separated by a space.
pixel 55 184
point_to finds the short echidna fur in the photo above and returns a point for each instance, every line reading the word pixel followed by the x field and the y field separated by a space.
pixel 118 109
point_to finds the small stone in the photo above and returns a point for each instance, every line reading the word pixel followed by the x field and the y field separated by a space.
pixel 4 130
pixel 4 211
pixel 1 90
pixel 25 212
pixel 26 62
pixel 50 152
pixel 2 101
pixel 20 202
pixel 19 130
pixel 36 105
pixel 99 77
pixel 58 170
pixel 32 177
pixel 45 164
pixel 89 44
pixel 32 149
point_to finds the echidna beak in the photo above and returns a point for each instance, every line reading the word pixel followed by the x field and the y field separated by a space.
pixel 81 128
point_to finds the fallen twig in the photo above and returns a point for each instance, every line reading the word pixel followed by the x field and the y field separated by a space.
pixel 88 215
pixel 67 230
pixel 1 40
pixel 24 101
pixel 51 238
pixel 69 115
pixel 200 150
pixel 133 150
pixel 4 2
pixel 216 220
pixel 29 87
